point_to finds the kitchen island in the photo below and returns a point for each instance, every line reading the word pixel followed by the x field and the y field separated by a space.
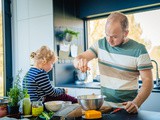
pixel 123 115
pixel 151 104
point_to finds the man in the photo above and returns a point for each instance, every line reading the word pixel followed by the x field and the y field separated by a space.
pixel 121 60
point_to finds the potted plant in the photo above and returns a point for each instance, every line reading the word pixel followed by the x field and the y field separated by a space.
pixel 15 94
pixel 69 34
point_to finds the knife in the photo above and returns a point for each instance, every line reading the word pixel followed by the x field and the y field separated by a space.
pixel 116 110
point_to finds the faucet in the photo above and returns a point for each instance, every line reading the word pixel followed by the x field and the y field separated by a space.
pixel 157 75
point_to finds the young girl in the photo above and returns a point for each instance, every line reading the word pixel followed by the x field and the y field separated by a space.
pixel 37 80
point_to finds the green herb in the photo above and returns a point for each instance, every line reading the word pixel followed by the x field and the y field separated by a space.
pixel 16 93
pixel 69 31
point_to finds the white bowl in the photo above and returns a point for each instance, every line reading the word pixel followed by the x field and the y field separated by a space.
pixel 53 105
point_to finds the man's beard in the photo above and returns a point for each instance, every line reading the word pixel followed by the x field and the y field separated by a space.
pixel 123 42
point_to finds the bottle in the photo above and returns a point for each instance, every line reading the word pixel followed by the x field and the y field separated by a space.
pixel 27 105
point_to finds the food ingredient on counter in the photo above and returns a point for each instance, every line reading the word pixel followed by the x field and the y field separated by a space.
pixel 46 115
pixel 93 114
pixel 27 105
pixel 37 108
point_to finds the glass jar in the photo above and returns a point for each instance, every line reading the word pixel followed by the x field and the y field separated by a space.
pixel 37 108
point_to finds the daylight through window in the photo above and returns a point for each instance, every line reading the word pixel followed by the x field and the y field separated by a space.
pixel 144 27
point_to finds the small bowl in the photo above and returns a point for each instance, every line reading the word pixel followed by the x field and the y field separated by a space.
pixel 53 105
pixel 91 102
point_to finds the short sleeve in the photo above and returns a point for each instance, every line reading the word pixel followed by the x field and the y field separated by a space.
pixel 144 61
pixel 94 48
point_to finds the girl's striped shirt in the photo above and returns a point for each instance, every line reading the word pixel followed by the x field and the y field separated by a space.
pixel 38 84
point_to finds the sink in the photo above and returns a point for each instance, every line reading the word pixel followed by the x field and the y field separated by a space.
pixel 156 87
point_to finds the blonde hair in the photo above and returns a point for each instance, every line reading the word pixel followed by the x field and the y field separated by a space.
pixel 120 17
pixel 43 54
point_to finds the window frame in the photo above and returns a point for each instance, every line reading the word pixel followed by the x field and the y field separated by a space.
pixel 7 44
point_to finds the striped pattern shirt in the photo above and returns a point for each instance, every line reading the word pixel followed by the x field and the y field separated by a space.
pixel 119 69
pixel 38 84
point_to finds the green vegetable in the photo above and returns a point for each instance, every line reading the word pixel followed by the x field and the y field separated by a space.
pixel 46 115
pixel 50 114
pixel 42 117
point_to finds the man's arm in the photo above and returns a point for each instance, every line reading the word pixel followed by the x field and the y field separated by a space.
pixel 82 60
pixel 145 90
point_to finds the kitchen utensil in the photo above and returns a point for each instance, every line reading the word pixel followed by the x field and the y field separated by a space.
pixel 81 77
pixel 54 105
pixel 116 110
pixel 91 102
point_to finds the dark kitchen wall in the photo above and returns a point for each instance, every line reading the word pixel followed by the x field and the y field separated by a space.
pixel 65 13
pixel 94 8
pixel 65 16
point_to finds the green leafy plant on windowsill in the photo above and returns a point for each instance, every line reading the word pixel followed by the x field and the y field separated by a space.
pixel 16 93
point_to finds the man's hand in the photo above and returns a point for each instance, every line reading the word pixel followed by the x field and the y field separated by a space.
pixel 82 65
pixel 130 107
pixel 81 61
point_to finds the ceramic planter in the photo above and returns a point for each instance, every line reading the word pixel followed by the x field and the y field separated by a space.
pixel 13 109
pixel 68 37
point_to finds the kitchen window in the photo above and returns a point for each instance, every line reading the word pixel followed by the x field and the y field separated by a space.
pixel 144 27
pixel 5 47
pixel 1 54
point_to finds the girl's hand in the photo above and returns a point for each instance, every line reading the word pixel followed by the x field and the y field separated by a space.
pixel 66 91
pixel 130 107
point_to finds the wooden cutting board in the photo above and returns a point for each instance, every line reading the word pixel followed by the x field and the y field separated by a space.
pixel 75 110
